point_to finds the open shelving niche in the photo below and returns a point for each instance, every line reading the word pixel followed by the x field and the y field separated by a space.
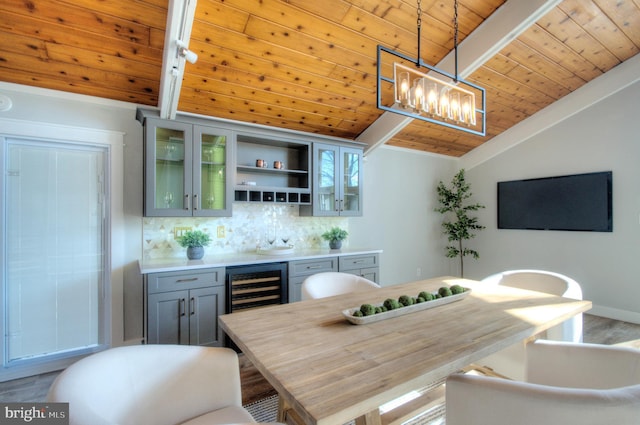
pixel 290 185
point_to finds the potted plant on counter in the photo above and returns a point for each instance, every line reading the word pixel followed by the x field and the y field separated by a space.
pixel 335 236
pixel 194 241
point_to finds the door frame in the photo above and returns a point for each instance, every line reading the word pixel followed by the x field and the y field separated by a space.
pixel 114 236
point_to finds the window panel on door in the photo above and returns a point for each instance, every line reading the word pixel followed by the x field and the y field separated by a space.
pixel 327 179
pixel 351 184
pixel 213 172
pixel 170 168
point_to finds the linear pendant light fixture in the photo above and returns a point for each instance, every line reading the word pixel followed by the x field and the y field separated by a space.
pixel 424 92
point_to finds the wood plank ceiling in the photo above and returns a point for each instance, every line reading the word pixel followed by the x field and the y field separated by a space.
pixel 309 65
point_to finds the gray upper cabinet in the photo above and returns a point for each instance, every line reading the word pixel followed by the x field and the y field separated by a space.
pixel 272 168
pixel 186 169
pixel 196 167
pixel 337 181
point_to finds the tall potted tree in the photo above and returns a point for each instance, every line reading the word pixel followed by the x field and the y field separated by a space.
pixel 453 203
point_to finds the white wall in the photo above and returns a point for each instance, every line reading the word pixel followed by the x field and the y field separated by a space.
pixel 602 137
pixel 399 198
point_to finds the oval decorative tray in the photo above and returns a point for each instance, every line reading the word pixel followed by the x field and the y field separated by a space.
pixel 278 250
pixel 402 310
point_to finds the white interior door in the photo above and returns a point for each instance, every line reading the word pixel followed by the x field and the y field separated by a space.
pixel 55 246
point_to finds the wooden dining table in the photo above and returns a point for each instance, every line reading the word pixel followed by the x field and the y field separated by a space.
pixel 328 371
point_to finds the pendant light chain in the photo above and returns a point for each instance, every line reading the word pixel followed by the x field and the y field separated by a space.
pixel 419 25
pixel 455 23
pixel 455 35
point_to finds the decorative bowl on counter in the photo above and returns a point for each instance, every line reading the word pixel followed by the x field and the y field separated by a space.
pixel 276 250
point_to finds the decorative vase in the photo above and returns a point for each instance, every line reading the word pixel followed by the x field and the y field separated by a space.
pixel 335 244
pixel 195 252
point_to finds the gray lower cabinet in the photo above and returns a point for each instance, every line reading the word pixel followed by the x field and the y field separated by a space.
pixel 299 270
pixel 366 265
pixel 183 307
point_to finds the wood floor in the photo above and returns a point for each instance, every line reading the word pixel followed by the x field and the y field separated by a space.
pixel 254 387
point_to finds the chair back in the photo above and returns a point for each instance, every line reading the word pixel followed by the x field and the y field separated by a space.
pixel 593 366
pixel 328 284
pixel 484 400
pixel 549 283
pixel 149 384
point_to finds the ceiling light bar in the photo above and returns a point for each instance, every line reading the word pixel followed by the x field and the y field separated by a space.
pixel 180 16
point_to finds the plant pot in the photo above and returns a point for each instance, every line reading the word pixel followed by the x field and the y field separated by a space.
pixel 335 244
pixel 195 252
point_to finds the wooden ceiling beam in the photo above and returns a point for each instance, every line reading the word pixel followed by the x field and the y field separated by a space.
pixel 179 22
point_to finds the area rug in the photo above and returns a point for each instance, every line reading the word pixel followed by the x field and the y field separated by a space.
pixel 266 410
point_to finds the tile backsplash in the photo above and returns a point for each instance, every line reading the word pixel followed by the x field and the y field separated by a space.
pixel 249 228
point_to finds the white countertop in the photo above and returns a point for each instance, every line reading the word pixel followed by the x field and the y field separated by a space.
pixel 240 259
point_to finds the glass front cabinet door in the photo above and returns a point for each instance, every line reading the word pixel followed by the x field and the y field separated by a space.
pixel 186 170
pixel 337 180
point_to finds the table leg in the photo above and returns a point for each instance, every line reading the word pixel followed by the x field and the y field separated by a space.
pixel 287 415
pixel 282 409
pixel 371 418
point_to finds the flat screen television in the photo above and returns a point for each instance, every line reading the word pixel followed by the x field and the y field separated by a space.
pixel 579 202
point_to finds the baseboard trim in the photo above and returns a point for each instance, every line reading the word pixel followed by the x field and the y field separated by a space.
pixel 614 313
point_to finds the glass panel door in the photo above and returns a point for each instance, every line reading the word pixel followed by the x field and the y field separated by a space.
pixel 55 249
pixel 169 168
pixel 351 202
pixel 211 195
pixel 168 160
pixel 326 187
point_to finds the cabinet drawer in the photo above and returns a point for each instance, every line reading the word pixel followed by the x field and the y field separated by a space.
pixel 353 262
pixel 174 281
pixel 309 267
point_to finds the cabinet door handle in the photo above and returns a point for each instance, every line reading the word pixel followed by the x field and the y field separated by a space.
pixel 336 205
pixel 187 280
pixel 195 202
pixel 314 267
pixel 193 306
pixel 182 311
pixel 341 204
pixel 186 202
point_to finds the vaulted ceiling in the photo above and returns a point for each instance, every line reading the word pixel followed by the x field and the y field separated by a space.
pixel 311 65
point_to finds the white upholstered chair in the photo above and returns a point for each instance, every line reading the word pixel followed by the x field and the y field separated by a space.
pixel 153 385
pixel 510 361
pixel 567 383
pixel 321 285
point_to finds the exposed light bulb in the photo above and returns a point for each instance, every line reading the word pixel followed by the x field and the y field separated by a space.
pixel 402 97
pixel 454 105
pixel 432 98
pixel 444 111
